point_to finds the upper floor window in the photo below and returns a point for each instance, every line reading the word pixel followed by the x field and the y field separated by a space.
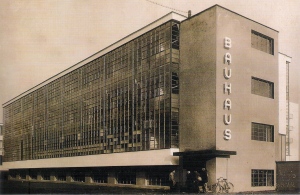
pixel 175 36
pixel 262 42
pixel 175 83
pixel 262 132
pixel 262 87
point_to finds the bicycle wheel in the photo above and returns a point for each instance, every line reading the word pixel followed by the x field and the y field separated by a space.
pixel 216 188
pixel 229 187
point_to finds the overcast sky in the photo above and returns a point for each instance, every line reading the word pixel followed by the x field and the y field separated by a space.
pixel 40 38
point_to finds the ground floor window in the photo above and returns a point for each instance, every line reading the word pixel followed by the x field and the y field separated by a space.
pixel 78 176
pixel 262 177
pixel 13 175
pixel 100 177
pixel 33 176
pixel 46 176
pixel 158 178
pixel 22 175
pixel 126 177
pixel 61 177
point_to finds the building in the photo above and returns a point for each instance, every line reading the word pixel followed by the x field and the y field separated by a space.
pixel 179 94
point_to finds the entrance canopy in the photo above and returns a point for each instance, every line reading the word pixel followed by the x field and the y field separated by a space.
pixel 206 154
pixel 193 160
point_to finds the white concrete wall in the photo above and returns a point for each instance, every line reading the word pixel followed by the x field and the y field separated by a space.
pixel 282 93
pixel 141 158
pixel 294 133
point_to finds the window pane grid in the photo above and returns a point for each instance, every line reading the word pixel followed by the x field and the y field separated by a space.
pixel 262 178
pixel 262 132
pixel 125 100
pixel 262 87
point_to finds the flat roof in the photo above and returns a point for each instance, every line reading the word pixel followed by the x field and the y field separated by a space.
pixel 168 17
pixel 216 5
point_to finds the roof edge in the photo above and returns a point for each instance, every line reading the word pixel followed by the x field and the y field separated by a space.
pixel 285 54
pixel 217 5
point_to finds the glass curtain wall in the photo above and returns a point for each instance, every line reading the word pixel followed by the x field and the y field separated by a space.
pixel 125 100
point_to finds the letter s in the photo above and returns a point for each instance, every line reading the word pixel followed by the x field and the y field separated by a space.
pixel 227 134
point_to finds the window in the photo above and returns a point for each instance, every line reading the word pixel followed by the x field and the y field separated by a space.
pixel 262 87
pixel 158 177
pixel 100 177
pixel 262 178
pixel 262 132
pixel 61 176
pixel 175 83
pixel 175 36
pixel 262 42
pixel 126 177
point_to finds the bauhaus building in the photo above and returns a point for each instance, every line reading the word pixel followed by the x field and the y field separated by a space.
pixel 179 94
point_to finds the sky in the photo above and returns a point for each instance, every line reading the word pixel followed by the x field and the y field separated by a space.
pixel 39 39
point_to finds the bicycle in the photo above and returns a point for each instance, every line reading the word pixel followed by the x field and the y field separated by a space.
pixel 222 186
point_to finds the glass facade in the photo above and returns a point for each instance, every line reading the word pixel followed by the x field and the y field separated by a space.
pixel 125 100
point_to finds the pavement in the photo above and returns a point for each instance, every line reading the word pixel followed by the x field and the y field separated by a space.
pixel 25 187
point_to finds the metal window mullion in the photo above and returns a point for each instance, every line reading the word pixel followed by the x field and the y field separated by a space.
pixel 62 116
pixel 132 95
pixel 170 88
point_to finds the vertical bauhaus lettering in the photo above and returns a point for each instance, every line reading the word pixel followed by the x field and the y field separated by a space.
pixel 227 87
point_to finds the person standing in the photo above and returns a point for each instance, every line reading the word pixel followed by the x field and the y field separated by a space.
pixel 172 181
pixel 204 177
pixel 189 181
pixel 197 181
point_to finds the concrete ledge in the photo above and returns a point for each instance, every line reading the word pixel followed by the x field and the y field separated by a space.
pixel 139 158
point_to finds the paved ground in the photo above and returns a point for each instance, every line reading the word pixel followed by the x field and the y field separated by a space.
pixel 18 187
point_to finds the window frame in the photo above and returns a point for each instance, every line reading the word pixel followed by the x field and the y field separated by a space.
pixel 261 180
pixel 271 84
pixel 269 45
pixel 266 135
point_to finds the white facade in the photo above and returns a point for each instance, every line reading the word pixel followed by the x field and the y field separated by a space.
pixel 288 111
pixel 293 133
pixel 283 108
